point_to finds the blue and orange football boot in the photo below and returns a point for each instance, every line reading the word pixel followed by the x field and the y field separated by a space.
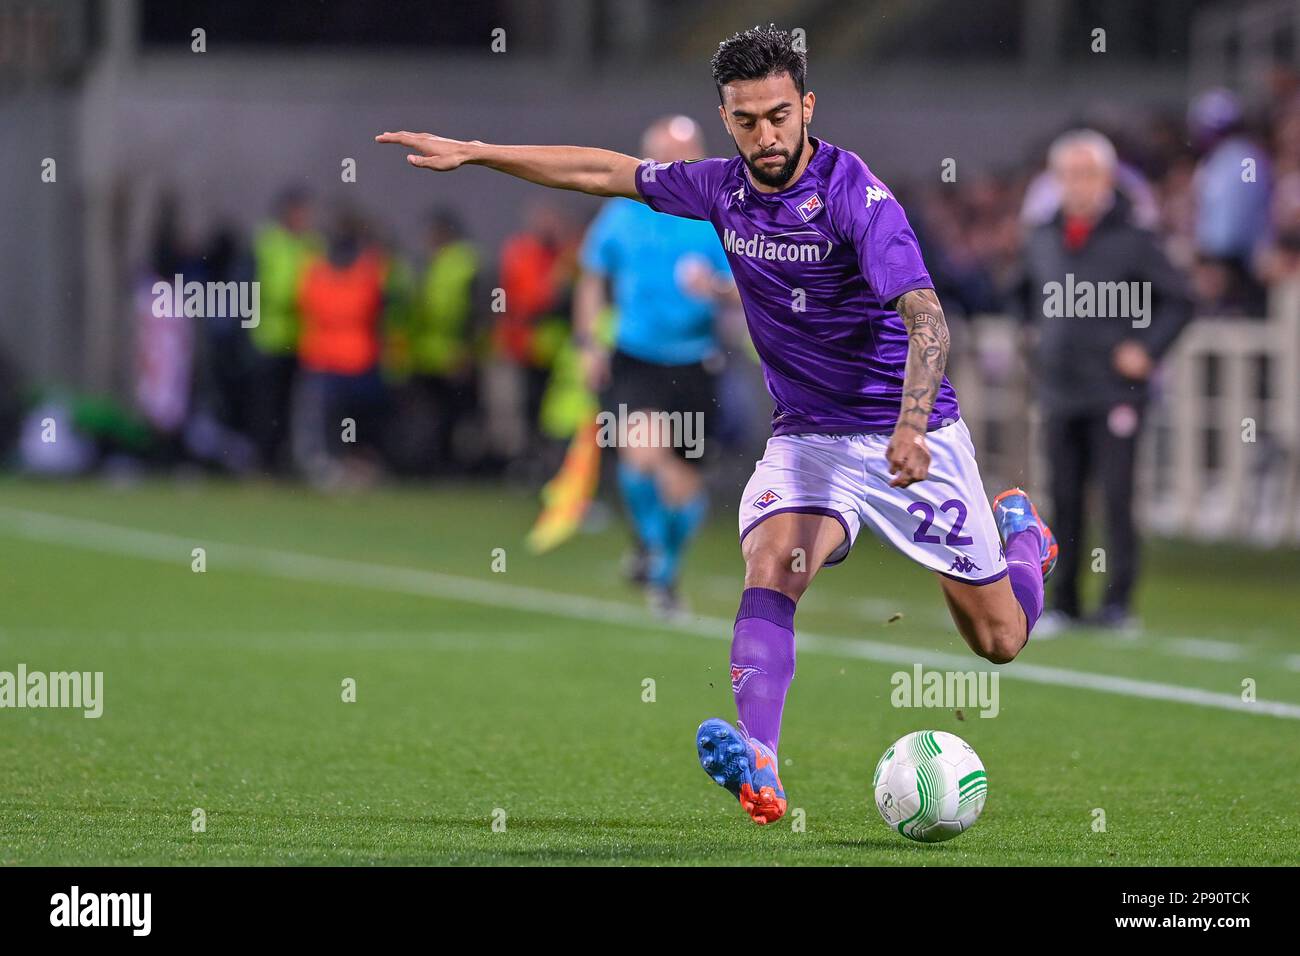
pixel 744 766
pixel 1013 511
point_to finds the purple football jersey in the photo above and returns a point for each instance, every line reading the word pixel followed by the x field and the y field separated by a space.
pixel 816 265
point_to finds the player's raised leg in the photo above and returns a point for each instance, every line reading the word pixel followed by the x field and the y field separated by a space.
pixel 991 562
pixel 988 617
pixel 782 555
pixel 996 619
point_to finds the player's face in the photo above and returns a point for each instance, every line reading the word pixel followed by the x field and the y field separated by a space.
pixel 768 121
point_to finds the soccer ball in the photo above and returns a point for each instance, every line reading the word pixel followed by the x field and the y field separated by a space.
pixel 930 786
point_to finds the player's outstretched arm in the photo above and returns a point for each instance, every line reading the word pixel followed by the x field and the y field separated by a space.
pixel 600 172
pixel 927 357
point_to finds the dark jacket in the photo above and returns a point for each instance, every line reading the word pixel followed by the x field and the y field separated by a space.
pixel 1073 369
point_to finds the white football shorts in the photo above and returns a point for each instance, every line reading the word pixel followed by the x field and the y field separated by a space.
pixel 943 523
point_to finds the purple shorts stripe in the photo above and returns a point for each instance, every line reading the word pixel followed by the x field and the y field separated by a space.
pixel 808 510
pixel 981 582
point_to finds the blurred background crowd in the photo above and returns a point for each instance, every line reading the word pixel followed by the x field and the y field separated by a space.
pixel 413 327
pixel 1177 170
pixel 454 356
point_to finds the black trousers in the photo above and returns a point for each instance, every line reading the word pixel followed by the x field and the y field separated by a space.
pixel 1099 446
pixel 270 407
pixel 450 400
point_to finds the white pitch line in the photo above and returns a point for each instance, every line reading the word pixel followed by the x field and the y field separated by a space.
pixel 1205 649
pixel 113 539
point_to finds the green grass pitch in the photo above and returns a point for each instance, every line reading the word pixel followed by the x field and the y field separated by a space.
pixel 521 693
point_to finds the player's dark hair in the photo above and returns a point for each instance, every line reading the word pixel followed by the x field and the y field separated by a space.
pixel 757 53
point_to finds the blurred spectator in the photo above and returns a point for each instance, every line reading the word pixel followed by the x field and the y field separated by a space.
pixel 11 403
pixel 219 427
pixel 538 269
pixel 440 334
pixel 1043 197
pixel 1280 258
pixel 225 348
pixel 339 398
pixel 1093 368
pixel 1232 188
pixel 1178 212
pixel 164 331
pixel 962 274
pixel 281 250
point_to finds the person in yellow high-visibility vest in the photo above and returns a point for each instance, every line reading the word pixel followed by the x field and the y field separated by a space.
pixel 441 330
pixel 281 250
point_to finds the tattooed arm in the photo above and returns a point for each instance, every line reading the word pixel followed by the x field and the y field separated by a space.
pixel 927 356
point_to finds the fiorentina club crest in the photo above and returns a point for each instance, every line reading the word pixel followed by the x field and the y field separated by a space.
pixel 741 673
pixel 765 499
pixel 810 207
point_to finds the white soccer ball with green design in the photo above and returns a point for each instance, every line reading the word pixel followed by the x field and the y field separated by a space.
pixel 930 786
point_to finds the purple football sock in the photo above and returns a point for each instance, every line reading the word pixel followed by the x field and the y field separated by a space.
pixel 1025 568
pixel 762 661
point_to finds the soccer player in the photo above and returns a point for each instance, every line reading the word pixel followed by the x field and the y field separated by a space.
pixel 853 342
pixel 668 276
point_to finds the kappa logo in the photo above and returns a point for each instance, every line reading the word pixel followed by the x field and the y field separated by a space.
pixel 810 207
pixel 740 673
pixel 874 193
pixel 964 565
pixel 766 498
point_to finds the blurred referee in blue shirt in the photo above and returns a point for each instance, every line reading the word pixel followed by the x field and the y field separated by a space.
pixel 666 278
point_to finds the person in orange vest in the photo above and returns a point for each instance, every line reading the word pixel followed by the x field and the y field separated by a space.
pixel 537 271
pixel 340 398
